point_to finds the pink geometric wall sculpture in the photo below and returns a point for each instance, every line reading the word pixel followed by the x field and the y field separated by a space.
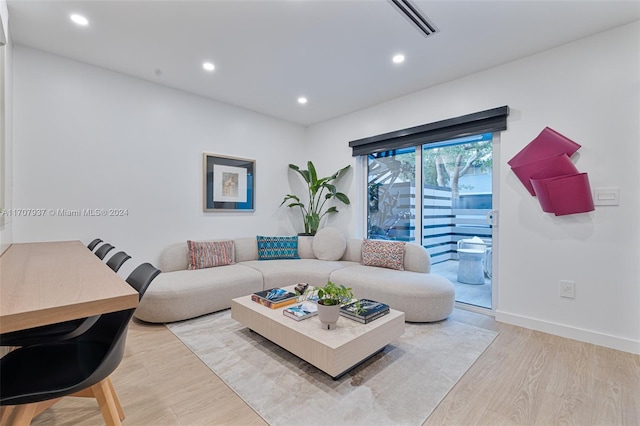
pixel 544 168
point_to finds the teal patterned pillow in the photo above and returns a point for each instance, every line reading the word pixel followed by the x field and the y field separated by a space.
pixel 270 248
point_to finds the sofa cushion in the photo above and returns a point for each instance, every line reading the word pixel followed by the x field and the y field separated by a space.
pixel 246 249
pixel 270 248
pixel 174 258
pixel 422 297
pixel 180 295
pixel 209 254
pixel 416 258
pixel 384 254
pixel 305 247
pixel 281 273
pixel 329 244
pixel 353 253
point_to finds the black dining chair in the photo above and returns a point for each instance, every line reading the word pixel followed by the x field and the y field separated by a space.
pixel 117 260
pixel 48 333
pixel 39 373
pixel 102 251
pixel 32 377
pixel 140 278
pixel 92 245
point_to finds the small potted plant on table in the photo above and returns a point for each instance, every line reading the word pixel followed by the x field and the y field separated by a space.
pixel 330 298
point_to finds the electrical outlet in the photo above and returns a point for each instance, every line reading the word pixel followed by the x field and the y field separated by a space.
pixel 567 289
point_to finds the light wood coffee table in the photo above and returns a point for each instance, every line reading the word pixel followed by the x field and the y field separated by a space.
pixel 333 351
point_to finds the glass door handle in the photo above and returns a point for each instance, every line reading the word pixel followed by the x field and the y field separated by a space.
pixel 492 218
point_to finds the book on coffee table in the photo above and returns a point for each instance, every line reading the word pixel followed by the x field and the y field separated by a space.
pixel 274 298
pixel 367 312
pixel 301 311
pixel 365 320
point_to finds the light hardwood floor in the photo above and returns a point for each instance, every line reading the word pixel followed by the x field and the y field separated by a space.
pixel 525 377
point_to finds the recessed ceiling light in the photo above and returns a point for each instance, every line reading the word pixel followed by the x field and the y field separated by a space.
pixel 208 66
pixel 80 20
pixel 302 100
pixel 398 59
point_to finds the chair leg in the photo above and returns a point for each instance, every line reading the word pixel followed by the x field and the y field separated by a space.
pixel 115 399
pixel 107 404
pixel 8 414
pixel 90 393
pixel 85 393
pixel 43 405
pixel 5 412
pixel 21 415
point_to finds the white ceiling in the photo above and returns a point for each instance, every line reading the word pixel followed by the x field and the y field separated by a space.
pixel 336 53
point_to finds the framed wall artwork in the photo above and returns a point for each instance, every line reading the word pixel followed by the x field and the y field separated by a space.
pixel 229 183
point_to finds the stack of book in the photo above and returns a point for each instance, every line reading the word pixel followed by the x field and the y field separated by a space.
pixel 274 298
pixel 301 311
pixel 364 310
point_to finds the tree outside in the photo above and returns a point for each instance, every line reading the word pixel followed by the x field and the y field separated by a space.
pixel 445 165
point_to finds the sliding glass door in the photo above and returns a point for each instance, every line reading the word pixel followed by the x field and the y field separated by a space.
pixel 458 198
pixel 440 195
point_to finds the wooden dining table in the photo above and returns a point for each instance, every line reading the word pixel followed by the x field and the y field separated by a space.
pixel 50 282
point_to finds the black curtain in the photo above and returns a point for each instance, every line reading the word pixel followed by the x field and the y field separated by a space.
pixel 488 121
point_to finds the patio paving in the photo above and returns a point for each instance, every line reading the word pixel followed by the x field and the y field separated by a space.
pixel 472 294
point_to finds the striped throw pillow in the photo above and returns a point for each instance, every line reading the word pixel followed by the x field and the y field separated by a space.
pixel 208 254
pixel 384 254
pixel 270 248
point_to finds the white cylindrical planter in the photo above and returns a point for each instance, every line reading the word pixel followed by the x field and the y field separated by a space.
pixel 328 315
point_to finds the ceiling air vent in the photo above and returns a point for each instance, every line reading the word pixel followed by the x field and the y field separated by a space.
pixel 415 16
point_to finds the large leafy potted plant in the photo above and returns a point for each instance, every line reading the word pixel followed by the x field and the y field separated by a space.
pixel 330 298
pixel 320 191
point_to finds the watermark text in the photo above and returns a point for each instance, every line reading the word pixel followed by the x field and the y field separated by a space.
pixel 57 212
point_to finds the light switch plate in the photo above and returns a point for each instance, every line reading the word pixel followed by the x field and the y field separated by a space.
pixel 606 196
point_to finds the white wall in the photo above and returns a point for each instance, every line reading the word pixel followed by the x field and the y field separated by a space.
pixel 6 163
pixel 589 91
pixel 86 137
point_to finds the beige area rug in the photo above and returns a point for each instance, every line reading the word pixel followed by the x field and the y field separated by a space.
pixel 401 385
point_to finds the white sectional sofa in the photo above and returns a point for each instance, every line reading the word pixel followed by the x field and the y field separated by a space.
pixel 179 294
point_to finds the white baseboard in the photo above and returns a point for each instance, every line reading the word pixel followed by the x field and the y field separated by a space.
pixel 613 342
